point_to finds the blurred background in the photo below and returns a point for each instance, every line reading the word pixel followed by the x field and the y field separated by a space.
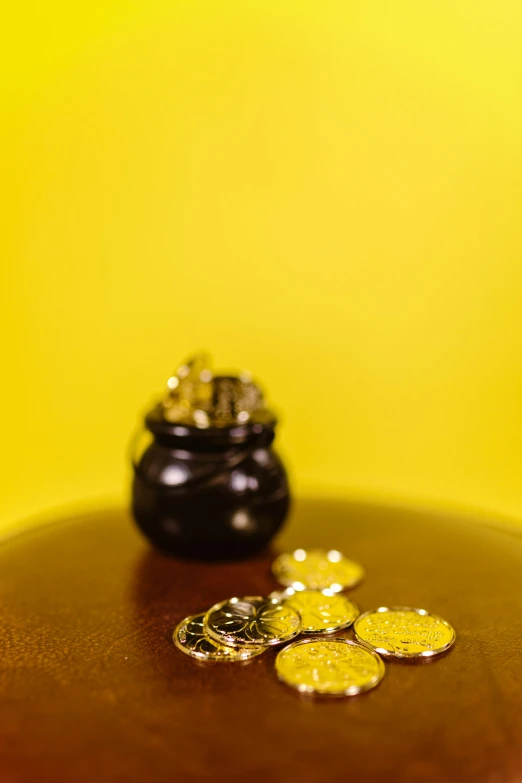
pixel 326 193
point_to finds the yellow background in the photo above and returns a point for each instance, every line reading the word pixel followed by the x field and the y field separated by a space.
pixel 328 193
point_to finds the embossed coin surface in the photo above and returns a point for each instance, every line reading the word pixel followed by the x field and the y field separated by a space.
pixel 191 638
pixel 321 611
pixel 330 667
pixel 317 569
pixel 404 632
pixel 252 621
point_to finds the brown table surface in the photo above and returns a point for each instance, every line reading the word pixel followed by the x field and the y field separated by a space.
pixel 92 688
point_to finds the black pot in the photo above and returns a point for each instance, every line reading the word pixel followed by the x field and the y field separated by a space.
pixel 214 493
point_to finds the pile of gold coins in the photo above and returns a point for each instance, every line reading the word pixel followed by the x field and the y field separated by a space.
pixel 312 603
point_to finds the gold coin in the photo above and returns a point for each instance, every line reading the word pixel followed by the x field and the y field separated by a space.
pixel 317 569
pixel 252 621
pixel 404 632
pixel 190 638
pixel 321 610
pixel 329 667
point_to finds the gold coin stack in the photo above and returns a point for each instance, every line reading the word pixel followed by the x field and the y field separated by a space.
pixel 312 603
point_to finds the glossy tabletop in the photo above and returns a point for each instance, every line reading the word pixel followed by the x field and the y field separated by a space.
pixel 93 689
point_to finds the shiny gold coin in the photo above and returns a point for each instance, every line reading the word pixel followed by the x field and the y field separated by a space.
pixel 317 569
pixel 190 637
pixel 329 667
pixel 404 632
pixel 251 621
pixel 322 612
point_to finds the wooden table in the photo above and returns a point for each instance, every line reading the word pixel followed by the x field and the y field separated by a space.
pixel 92 688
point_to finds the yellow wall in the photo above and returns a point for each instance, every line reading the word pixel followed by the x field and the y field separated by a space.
pixel 328 193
